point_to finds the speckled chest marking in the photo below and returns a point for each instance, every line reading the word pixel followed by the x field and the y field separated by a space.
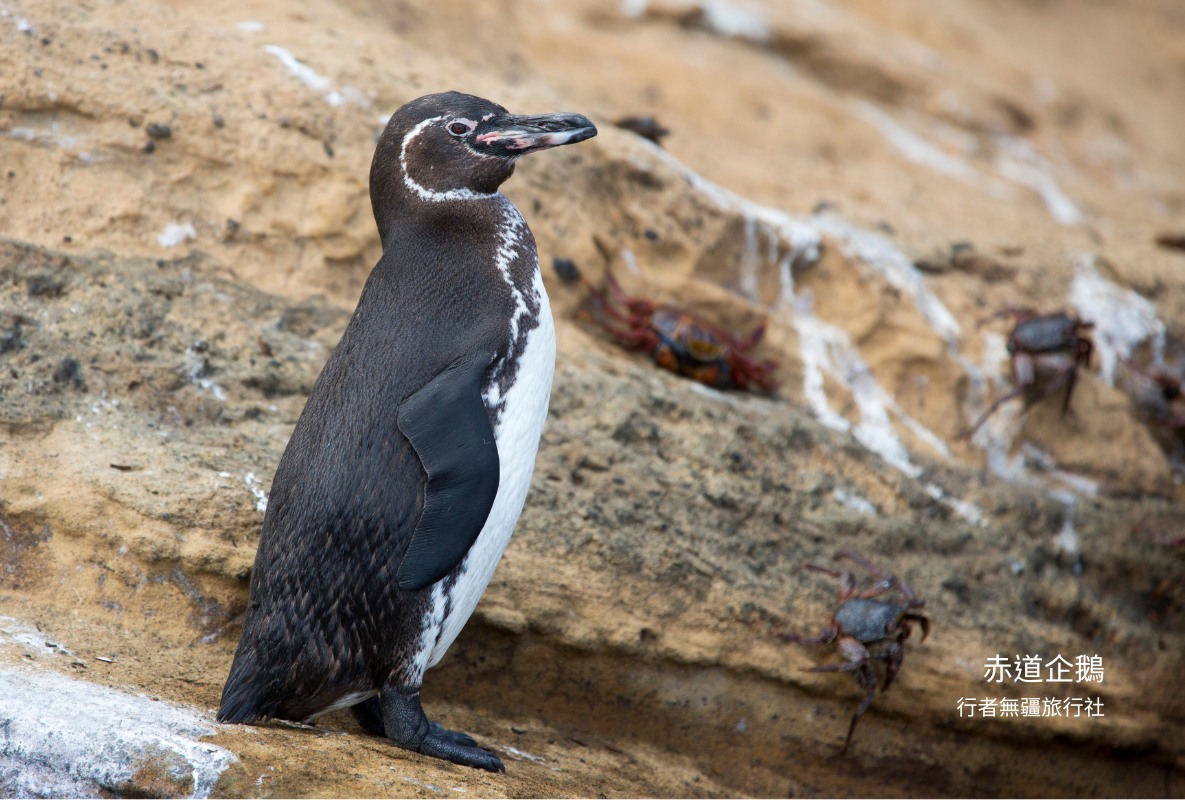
pixel 518 264
pixel 522 411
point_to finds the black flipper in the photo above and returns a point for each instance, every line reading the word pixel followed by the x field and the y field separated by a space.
pixel 449 427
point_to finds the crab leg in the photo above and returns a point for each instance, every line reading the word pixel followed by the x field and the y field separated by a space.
pixel 1018 313
pixel 755 336
pixel 867 680
pixel 633 304
pixel 887 581
pixel 1082 352
pixel 855 654
pixel 636 338
pixel 1017 392
pixel 1071 376
pixel 1067 379
pixel 824 636
pixel 918 618
pixel 606 306
pixel 745 369
pixel 894 656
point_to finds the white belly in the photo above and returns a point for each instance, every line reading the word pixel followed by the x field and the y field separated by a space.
pixel 517 435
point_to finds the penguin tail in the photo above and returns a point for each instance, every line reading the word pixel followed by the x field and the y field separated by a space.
pixel 254 692
pixel 242 701
pixel 239 705
pixel 237 713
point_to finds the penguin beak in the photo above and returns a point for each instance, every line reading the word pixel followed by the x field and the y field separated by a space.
pixel 511 136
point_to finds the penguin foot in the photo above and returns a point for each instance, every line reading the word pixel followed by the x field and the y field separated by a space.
pixel 406 725
pixel 456 737
pixel 369 714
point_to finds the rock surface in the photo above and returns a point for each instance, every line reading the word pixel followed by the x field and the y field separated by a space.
pixel 184 204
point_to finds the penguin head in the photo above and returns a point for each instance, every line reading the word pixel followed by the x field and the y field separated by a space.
pixel 454 146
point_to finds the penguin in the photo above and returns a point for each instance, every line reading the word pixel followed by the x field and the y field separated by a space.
pixel 409 466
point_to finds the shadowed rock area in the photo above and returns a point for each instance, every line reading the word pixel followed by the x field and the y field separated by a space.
pixel 186 227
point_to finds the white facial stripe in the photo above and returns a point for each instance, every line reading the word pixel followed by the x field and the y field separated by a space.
pixel 424 192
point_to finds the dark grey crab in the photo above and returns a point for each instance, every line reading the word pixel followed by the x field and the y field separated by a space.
pixel 865 629
pixel 1045 352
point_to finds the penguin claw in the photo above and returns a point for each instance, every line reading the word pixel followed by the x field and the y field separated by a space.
pixel 456 737
pixel 369 714
pixel 448 745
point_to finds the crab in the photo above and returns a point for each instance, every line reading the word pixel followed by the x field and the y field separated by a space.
pixel 646 127
pixel 865 629
pixel 1158 536
pixel 1046 351
pixel 1158 393
pixel 683 342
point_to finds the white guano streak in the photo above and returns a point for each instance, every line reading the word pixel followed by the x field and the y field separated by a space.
pixel 66 737
pixel 1123 320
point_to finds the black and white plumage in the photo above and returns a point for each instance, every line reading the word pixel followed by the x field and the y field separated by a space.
pixel 409 466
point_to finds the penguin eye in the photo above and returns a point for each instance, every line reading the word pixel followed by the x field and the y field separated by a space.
pixel 460 128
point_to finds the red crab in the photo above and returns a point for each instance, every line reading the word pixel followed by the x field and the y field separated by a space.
pixel 1046 351
pixel 683 342
pixel 1157 536
pixel 865 629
